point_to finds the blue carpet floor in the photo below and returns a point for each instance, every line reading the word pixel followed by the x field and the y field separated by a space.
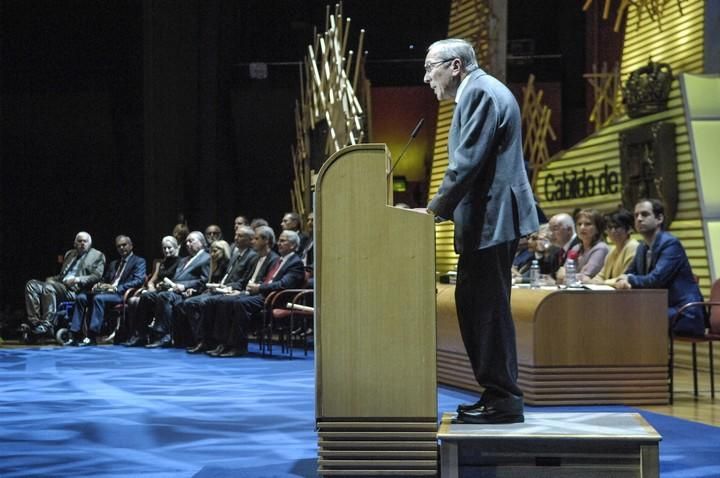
pixel 117 412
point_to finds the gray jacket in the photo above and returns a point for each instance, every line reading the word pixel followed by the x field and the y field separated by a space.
pixel 485 189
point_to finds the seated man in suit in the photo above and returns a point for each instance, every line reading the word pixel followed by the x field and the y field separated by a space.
pixel 82 267
pixel 215 313
pixel 191 272
pixel 661 263
pixel 562 239
pixel 124 273
pixel 291 221
pixel 287 272
pixel 190 309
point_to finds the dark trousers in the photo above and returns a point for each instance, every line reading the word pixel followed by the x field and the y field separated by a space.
pixel 93 307
pixel 41 299
pixel 192 311
pixel 243 313
pixel 482 298
pixel 157 304
pixel 164 311
pixel 142 313
pixel 216 317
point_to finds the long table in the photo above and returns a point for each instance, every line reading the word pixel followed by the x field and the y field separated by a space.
pixel 575 347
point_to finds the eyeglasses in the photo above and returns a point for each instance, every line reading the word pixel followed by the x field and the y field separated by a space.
pixel 431 66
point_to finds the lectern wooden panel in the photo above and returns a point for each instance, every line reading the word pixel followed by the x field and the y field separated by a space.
pixel 374 322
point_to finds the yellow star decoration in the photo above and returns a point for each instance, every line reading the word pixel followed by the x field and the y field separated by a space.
pixel 536 124
pixel 654 8
pixel 606 86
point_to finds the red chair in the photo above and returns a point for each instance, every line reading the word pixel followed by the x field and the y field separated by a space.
pixel 281 311
pixel 712 334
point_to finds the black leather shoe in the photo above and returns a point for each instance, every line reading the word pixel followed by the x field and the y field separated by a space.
pixel 200 347
pixel 71 343
pixel 232 353
pixel 216 351
pixel 463 407
pixel 164 342
pixel 135 341
pixel 494 411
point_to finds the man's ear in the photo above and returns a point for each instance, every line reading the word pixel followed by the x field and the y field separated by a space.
pixel 456 66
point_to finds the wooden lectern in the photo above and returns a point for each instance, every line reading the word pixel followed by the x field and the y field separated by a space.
pixel 376 390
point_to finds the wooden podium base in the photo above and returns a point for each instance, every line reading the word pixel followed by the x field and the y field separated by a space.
pixel 367 448
pixel 557 445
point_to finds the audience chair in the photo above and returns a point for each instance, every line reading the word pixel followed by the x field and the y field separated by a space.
pixel 282 308
pixel 712 334
pixel 114 321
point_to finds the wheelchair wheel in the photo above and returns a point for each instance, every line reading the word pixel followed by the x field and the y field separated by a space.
pixel 62 336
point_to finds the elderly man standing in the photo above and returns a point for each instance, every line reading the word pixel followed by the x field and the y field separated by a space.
pixel 82 267
pixel 124 273
pixel 486 192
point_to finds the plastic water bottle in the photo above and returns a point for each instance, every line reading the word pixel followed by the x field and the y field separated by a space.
pixel 570 274
pixel 534 274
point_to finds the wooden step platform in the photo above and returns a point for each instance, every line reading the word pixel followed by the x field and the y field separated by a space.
pixel 557 445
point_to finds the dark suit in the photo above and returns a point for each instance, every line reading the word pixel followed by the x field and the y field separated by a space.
pixel 486 192
pixel 216 314
pixel 291 275
pixel 41 297
pixel 192 272
pixel 190 310
pixel 669 269
pixel 95 304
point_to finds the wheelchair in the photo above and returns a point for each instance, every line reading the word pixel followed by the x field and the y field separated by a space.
pixel 57 328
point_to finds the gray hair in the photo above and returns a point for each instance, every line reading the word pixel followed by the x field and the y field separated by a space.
pixel 246 231
pixel 123 236
pixel 266 233
pixel 200 237
pixel 565 220
pixel 292 237
pixel 171 239
pixel 83 233
pixel 457 48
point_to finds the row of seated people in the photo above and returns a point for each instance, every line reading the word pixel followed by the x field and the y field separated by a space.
pixel 659 261
pixel 244 273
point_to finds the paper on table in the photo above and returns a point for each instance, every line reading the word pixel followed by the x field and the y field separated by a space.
pixel 598 287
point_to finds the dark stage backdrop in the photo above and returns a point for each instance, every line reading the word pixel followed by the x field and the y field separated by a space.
pixel 117 115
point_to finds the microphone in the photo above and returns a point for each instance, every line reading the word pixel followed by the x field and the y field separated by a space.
pixel 412 137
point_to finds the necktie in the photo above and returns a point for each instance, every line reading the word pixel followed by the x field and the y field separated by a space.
pixel 273 271
pixel 118 273
pixel 72 269
pixel 561 256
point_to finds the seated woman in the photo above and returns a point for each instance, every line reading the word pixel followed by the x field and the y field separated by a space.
pixel 589 254
pixel 219 261
pixel 162 268
pixel 621 255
